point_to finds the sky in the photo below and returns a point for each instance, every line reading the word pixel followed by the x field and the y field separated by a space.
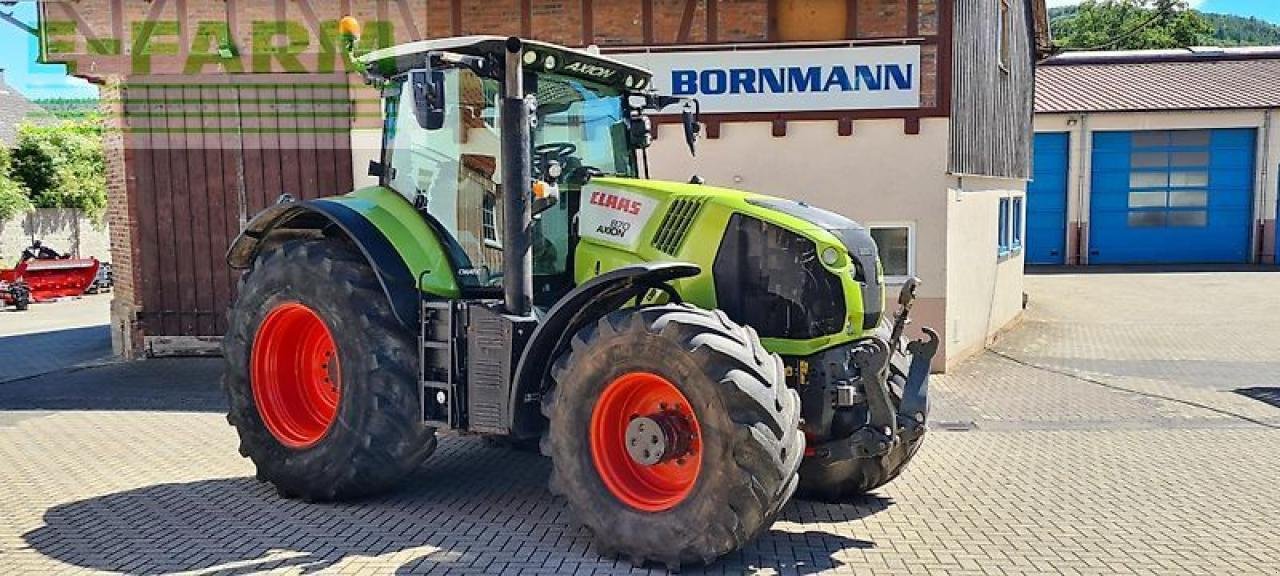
pixel 18 53
pixel 19 49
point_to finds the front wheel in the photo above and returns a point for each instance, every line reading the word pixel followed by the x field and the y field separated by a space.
pixel 673 435
pixel 320 377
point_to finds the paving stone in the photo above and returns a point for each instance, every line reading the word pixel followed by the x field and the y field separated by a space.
pixel 1084 451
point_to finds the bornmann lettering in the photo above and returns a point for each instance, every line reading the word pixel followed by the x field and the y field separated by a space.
pixel 792 79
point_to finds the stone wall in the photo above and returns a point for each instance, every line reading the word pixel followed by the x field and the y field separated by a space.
pixel 64 230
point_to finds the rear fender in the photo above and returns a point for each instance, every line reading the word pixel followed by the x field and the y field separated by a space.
pixel 406 255
pixel 581 307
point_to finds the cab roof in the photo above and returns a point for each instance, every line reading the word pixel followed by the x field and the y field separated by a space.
pixel 397 59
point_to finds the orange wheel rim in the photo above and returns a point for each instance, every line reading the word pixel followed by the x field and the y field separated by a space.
pixel 295 375
pixel 645 442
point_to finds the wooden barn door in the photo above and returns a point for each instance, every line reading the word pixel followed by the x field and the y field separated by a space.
pixel 204 155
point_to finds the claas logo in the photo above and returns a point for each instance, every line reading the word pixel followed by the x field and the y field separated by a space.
pixel 615 202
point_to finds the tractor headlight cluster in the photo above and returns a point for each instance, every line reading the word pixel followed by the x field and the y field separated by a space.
pixel 830 256
pixel 531 58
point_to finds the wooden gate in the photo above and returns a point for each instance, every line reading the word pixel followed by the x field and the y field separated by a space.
pixel 204 154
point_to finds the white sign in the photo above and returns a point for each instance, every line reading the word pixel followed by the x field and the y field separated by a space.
pixel 787 80
pixel 613 215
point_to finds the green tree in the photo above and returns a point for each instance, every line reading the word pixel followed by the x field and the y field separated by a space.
pixel 1229 30
pixel 13 196
pixel 1131 25
pixel 61 166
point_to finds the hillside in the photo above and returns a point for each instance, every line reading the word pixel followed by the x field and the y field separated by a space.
pixel 69 108
pixel 1239 31
pixel 1228 30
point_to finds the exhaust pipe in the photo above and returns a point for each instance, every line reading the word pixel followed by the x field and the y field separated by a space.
pixel 517 184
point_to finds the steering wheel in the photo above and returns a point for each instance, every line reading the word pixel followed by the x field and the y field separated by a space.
pixel 555 149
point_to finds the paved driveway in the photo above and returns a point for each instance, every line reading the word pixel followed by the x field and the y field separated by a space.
pixel 54 336
pixel 1103 436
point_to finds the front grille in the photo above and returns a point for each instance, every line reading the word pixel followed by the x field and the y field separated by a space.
pixel 676 224
pixel 770 279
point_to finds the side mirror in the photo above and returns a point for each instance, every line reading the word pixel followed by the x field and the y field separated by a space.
pixel 640 132
pixel 689 116
pixel 428 98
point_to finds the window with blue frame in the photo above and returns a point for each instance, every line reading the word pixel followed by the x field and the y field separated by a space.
pixel 1002 234
pixel 1016 217
pixel 1169 179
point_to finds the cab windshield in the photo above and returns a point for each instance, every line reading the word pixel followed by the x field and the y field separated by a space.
pixel 455 172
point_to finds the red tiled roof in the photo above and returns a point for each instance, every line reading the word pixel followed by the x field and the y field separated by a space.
pixel 1157 85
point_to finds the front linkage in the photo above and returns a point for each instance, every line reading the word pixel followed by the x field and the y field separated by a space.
pixel 865 406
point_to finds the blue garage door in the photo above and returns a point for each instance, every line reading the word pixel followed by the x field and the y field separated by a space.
pixel 1172 196
pixel 1047 201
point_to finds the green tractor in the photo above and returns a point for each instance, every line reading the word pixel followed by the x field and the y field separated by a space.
pixel 687 356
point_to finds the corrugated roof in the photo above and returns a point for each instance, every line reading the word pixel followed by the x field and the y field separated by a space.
pixel 14 110
pixel 1159 80
pixel 1189 54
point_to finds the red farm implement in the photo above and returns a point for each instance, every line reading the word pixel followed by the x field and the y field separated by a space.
pixel 44 280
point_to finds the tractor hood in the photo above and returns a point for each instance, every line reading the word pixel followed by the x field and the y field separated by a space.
pixel 687 205
pixel 856 239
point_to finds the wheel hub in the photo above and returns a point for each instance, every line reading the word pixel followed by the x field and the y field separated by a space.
pixel 646 441
pixel 658 438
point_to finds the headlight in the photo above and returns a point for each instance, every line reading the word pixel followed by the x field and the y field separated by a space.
pixel 830 256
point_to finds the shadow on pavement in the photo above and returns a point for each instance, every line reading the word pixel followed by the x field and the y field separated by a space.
pixel 473 508
pixel 159 384
pixel 1270 396
pixel 25 355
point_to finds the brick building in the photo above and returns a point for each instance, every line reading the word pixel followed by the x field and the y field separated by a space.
pixel 924 134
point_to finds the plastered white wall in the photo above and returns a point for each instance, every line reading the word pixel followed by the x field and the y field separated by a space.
pixel 879 174
pixel 984 290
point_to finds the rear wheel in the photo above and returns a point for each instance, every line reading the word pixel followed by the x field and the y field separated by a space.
pixel 320 376
pixel 673 435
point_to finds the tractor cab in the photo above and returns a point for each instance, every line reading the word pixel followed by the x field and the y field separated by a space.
pixel 442 145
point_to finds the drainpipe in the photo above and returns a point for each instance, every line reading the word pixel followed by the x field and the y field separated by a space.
pixel 1082 178
pixel 1265 163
